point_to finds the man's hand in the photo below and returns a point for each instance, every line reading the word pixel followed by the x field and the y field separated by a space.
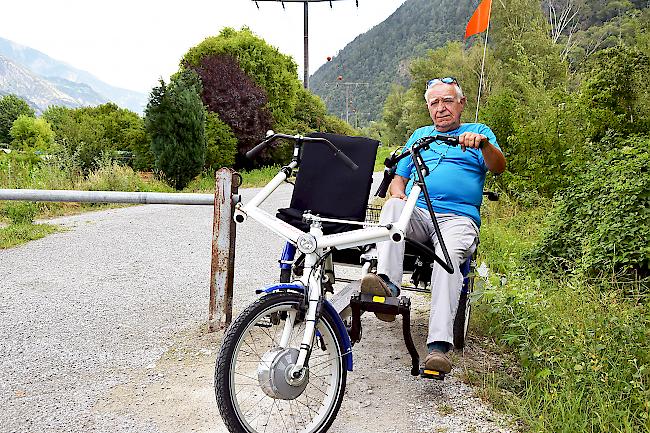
pixel 494 159
pixel 472 140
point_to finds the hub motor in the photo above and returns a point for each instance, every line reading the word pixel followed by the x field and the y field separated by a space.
pixel 274 374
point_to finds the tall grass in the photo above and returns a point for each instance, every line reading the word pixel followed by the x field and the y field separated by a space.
pixel 250 179
pixel 583 346
pixel 63 173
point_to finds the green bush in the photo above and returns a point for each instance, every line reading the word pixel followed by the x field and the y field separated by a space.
pixel 582 345
pixel 273 71
pixel 175 120
pixel 31 134
pixel 601 222
pixel 221 143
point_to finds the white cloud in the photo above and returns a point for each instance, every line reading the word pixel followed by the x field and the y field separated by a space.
pixel 132 43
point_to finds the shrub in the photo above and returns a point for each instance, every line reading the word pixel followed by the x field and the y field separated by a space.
pixel 273 71
pixel 236 98
pixel 31 134
pixel 221 143
pixel 11 107
pixel 111 176
pixel 601 222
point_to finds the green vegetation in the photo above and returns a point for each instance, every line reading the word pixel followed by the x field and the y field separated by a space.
pixel 11 108
pixel 21 230
pixel 249 87
pixel 582 344
pixel 175 120
pixel 18 234
pixel 567 246
pixel 31 134
pixel 62 172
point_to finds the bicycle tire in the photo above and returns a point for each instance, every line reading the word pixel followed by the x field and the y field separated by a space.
pixel 267 413
pixel 461 321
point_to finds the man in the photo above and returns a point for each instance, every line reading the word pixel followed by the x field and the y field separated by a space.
pixel 455 185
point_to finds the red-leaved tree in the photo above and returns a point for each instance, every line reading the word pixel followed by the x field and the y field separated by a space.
pixel 238 101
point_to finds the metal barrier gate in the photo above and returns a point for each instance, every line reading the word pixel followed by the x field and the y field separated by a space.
pixel 222 267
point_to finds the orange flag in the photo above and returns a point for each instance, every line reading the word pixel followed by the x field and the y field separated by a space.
pixel 480 19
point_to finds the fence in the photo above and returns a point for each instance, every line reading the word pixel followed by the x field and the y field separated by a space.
pixel 224 233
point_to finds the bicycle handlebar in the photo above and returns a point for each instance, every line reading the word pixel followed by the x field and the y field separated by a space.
pixel 271 136
pixel 421 144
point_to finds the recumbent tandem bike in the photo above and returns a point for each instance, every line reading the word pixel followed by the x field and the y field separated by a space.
pixel 283 362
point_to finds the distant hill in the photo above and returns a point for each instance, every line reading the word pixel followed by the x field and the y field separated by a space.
pixel 37 91
pixel 380 56
pixel 79 85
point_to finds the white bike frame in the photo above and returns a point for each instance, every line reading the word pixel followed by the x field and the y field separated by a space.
pixel 315 244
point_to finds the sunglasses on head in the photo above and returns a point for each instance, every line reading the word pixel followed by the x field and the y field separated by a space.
pixel 445 80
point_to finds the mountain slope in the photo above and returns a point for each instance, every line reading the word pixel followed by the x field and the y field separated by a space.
pixel 38 92
pixel 47 67
pixel 380 56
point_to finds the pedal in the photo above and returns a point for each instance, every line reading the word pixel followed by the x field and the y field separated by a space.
pixel 379 304
pixel 432 374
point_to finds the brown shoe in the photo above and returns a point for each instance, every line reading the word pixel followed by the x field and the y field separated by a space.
pixel 438 361
pixel 376 286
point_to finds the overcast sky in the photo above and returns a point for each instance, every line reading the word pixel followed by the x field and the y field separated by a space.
pixel 131 43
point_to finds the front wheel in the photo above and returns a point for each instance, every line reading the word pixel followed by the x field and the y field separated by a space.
pixel 254 391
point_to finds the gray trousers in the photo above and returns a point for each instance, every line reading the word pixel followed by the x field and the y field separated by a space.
pixel 461 238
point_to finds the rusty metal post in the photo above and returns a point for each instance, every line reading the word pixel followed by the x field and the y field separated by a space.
pixel 223 250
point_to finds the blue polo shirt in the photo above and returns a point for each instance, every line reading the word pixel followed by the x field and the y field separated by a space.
pixel 456 178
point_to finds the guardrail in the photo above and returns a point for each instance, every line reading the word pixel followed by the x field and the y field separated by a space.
pixel 224 234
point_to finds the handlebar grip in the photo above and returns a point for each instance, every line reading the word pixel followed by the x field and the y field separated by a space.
pixel 491 195
pixel 251 154
pixel 385 182
pixel 346 160
pixel 449 139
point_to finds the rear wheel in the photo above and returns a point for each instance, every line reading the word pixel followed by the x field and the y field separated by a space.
pixel 461 322
pixel 255 393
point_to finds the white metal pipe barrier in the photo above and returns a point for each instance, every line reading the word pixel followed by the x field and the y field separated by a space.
pixel 106 196
pixel 227 184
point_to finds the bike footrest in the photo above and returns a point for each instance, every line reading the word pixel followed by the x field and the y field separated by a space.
pixel 432 374
pixel 381 304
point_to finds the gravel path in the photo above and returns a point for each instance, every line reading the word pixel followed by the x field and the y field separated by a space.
pixel 100 307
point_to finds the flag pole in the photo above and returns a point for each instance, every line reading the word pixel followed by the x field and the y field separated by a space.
pixel 480 84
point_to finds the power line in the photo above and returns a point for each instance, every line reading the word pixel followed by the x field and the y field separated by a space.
pixel 306 28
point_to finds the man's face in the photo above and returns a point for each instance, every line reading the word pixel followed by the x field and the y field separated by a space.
pixel 444 106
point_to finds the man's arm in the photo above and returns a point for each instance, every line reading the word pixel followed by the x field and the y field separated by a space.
pixel 494 159
pixel 397 187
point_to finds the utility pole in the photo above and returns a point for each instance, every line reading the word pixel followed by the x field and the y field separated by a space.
pixel 347 95
pixel 305 29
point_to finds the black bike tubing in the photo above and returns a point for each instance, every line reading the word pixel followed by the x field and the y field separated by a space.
pixel 447 265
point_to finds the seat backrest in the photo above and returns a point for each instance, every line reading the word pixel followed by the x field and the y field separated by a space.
pixel 328 187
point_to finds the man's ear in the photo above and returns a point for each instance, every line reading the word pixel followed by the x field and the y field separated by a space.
pixel 463 100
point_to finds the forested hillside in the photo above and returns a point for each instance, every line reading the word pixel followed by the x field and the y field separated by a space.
pixel 381 56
